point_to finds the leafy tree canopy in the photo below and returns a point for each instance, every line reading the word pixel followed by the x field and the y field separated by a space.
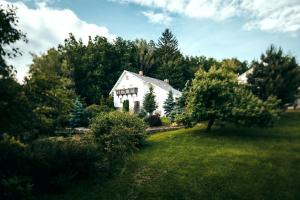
pixel 217 95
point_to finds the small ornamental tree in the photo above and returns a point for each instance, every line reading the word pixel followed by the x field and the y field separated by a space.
pixel 216 95
pixel 169 104
pixel 126 106
pixel 149 102
pixel 77 114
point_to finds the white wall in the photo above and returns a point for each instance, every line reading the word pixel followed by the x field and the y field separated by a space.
pixel 131 81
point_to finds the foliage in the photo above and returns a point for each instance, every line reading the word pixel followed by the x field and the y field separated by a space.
pixel 56 161
pixel 169 104
pixel 275 75
pixel 234 65
pixel 170 60
pixel 98 64
pixel 165 121
pixel 153 120
pixel 149 103
pixel 257 162
pixel 118 134
pixel 77 114
pixel 146 55
pixel 217 95
pixel 142 113
pixel 14 184
pixel 49 90
pixel 93 110
pixel 45 165
pixel 126 106
pixel 15 114
pixel 9 35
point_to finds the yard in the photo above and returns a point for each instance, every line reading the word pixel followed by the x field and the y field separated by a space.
pixel 228 163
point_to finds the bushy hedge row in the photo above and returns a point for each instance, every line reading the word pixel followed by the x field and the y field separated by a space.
pixel 50 164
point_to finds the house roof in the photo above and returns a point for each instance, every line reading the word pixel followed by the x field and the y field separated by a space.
pixel 243 77
pixel 162 84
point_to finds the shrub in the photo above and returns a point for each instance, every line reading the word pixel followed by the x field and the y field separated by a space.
pixel 125 106
pixel 56 161
pixel 14 184
pixel 15 188
pixel 153 120
pixel 118 134
pixel 165 121
pixel 93 110
pixel 142 114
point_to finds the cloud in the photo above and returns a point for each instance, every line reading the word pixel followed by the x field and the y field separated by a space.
pixel 270 15
pixel 158 18
pixel 47 27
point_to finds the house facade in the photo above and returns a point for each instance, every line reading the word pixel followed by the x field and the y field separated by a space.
pixel 133 87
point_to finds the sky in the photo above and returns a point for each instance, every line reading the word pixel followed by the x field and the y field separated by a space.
pixel 213 28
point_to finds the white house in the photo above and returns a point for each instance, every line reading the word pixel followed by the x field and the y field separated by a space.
pixel 133 87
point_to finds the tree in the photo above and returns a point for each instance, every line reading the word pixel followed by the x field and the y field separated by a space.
pixel 146 55
pixel 77 114
pixel 217 95
pixel 170 61
pixel 149 102
pixel 126 106
pixel 49 88
pixel 169 104
pixel 275 74
pixel 15 113
pixel 234 65
pixel 97 65
pixel 9 35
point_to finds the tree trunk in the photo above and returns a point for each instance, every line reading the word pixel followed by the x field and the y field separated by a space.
pixel 209 125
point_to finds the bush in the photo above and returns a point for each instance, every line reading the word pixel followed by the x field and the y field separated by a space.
pixel 153 120
pixel 118 134
pixel 125 106
pixel 93 110
pixel 142 114
pixel 14 184
pixel 15 188
pixel 55 161
pixel 166 121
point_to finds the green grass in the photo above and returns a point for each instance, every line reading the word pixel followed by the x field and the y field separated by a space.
pixel 229 163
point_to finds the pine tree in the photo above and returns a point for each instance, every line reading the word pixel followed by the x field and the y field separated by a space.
pixel 149 102
pixel 277 75
pixel 77 114
pixel 169 104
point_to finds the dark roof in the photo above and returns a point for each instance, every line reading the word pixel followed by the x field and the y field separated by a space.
pixel 162 84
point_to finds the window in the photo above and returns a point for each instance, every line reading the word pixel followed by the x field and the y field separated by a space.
pixel 126 77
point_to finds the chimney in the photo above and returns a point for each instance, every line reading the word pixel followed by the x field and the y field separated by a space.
pixel 166 80
pixel 141 73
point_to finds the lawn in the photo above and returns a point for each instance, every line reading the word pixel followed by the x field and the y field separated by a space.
pixel 228 163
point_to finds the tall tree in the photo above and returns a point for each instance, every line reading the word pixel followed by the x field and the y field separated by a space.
pixel 149 103
pixel 170 60
pixel 146 55
pixel 50 90
pixel 275 74
pixel 15 113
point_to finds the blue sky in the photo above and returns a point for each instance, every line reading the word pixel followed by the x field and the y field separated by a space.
pixel 219 28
